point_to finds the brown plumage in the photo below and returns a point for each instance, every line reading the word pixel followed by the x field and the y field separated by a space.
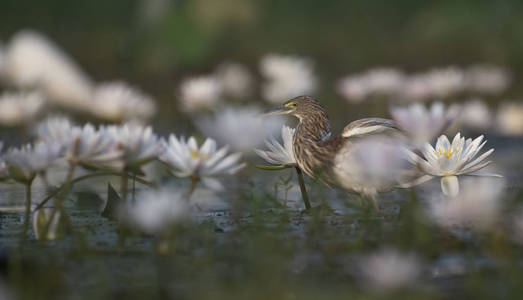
pixel 321 155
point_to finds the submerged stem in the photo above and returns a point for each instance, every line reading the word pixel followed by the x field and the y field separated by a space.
pixel 304 195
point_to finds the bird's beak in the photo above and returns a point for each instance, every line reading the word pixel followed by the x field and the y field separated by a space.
pixel 279 110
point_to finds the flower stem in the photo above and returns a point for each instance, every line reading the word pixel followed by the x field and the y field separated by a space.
pixel 304 195
pixel 123 187
pixel 27 208
pixel 134 187
pixel 194 182
pixel 60 199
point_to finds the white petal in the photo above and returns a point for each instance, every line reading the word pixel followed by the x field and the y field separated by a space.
pixel 477 160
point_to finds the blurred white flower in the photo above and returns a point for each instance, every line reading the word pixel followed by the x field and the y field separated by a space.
pixel 487 79
pixel 198 93
pixel 382 82
pixel 475 114
pixel 25 162
pixel 422 125
pixel 118 101
pixel 242 128
pixel 155 212
pixel 140 144
pixel 41 218
pixel 236 81
pixel 445 82
pixel 509 118
pixel 435 83
pixel 385 81
pixel 478 205
pixel 203 163
pixel 55 130
pixel 287 77
pixel 451 160
pixel 279 154
pixel 19 108
pixel 416 88
pixel 353 88
pixel 389 270
pixel 34 61
pixel 371 165
pixel 4 172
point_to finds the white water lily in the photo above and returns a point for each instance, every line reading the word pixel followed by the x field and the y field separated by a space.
pixel 20 108
pixel 55 130
pixel 389 269
pixel 84 145
pixel 475 114
pixel 435 83
pixel 487 79
pixel 154 212
pixel 279 154
pixel 198 93
pixel 93 148
pixel 422 125
pixel 478 205
pixel 242 128
pixel 118 101
pixel 140 144
pixel 25 162
pixel 32 60
pixel 236 81
pixel 382 82
pixel 287 77
pixel 202 163
pixel 445 82
pixel 509 119
pixel 372 165
pixel 449 160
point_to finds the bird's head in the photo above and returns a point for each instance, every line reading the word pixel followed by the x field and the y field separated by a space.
pixel 300 107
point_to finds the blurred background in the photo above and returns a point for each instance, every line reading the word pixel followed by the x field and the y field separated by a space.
pixel 156 44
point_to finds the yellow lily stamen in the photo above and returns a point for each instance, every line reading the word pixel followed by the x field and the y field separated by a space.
pixel 446 152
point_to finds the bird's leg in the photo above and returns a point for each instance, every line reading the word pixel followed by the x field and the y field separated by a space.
pixel 304 195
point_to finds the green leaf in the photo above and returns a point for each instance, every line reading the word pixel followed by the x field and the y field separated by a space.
pixel 275 168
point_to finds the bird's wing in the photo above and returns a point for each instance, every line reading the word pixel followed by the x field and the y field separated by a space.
pixel 369 126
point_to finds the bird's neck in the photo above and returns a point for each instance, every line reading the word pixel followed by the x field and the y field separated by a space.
pixel 310 132
pixel 314 129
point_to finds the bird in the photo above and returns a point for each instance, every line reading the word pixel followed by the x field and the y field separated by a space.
pixel 320 154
